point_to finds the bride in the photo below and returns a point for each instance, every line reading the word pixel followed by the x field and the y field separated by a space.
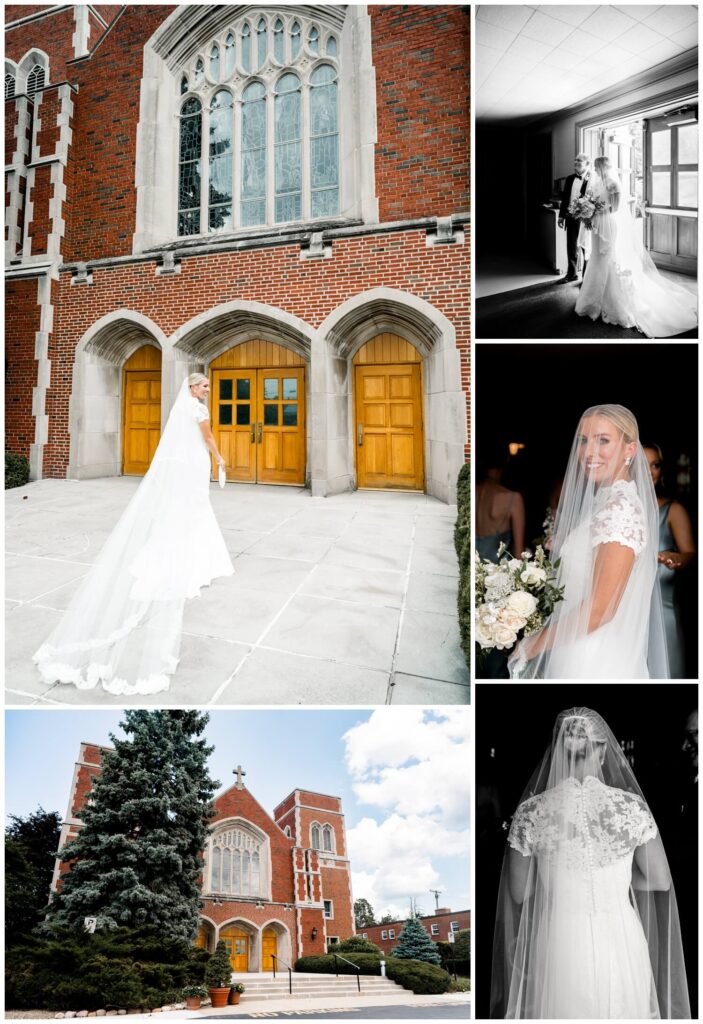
pixel 609 624
pixel 123 627
pixel 621 284
pixel 587 924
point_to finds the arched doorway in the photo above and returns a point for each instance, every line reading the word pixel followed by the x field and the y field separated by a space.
pixel 258 412
pixel 388 402
pixel 141 409
pixel 269 948
pixel 236 941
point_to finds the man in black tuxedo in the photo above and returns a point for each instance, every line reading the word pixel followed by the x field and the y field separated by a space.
pixel 575 186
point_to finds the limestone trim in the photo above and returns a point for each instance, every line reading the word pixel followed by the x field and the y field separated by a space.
pixel 209 334
pixel 81 36
pixel 17 171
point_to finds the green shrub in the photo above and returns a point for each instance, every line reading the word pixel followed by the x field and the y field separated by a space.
pixel 455 959
pixel 16 470
pixel 462 543
pixel 218 970
pixel 355 945
pixel 121 969
pixel 418 977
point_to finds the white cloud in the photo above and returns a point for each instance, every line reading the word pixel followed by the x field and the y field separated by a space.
pixel 412 764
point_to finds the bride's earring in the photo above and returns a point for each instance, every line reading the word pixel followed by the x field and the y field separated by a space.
pixel 628 461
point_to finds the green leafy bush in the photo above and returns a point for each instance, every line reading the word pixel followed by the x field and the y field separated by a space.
pixel 462 543
pixel 16 470
pixel 218 970
pixel 355 944
pixel 121 969
pixel 418 977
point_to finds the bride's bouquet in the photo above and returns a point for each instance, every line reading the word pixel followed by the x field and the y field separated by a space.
pixel 586 207
pixel 514 598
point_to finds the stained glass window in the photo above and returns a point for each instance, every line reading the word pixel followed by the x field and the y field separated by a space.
pixel 331 49
pixel 246 47
pixel 215 63
pixel 324 148
pixel 189 168
pixel 216 869
pixel 229 55
pixel 199 71
pixel 9 86
pixel 288 149
pixel 327 838
pixel 239 862
pixel 221 127
pixel 294 40
pixel 261 43
pixel 315 837
pixel 278 41
pixel 253 203
pixel 184 84
pixel 314 40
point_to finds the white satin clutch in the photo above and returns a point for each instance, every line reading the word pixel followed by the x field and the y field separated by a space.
pixel 222 476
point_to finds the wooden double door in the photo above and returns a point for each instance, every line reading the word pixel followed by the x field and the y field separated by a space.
pixel 389 445
pixel 258 419
pixel 236 942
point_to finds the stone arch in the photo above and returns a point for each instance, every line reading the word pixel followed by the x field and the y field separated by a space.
pixel 210 930
pixel 95 410
pixel 341 335
pixel 32 57
pixel 284 941
pixel 254 934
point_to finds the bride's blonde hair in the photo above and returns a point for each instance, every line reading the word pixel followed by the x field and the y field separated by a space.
pixel 601 165
pixel 197 378
pixel 620 417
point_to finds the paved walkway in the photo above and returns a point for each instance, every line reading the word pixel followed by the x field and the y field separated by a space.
pixel 342 600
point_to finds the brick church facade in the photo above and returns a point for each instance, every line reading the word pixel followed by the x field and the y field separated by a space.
pixel 274 196
pixel 272 884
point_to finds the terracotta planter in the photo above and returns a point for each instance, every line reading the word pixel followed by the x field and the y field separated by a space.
pixel 218 997
pixel 234 997
pixel 193 1002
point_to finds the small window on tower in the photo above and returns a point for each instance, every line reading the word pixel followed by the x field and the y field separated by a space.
pixel 391 933
pixel 328 910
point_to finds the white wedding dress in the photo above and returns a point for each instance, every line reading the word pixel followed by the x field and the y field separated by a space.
pixel 583 836
pixel 621 285
pixel 122 629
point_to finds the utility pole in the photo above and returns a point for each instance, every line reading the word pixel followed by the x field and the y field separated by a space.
pixel 437 894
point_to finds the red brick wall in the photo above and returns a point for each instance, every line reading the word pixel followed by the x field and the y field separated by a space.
pixel 48 112
pixel 330 803
pixel 310 919
pixel 336 886
pixel 40 194
pixel 240 802
pixel 21 323
pixel 443 920
pixel 11 119
pixel 278 277
pixel 422 90
pixel 52 34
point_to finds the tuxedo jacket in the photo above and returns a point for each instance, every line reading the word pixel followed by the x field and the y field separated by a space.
pixel 566 194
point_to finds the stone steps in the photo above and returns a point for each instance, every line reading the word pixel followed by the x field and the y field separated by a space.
pixel 307 986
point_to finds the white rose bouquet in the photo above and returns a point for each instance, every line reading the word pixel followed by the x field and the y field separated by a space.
pixel 514 598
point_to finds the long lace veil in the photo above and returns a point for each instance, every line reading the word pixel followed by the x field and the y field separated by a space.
pixel 606 538
pixel 122 628
pixel 660 307
pixel 587 924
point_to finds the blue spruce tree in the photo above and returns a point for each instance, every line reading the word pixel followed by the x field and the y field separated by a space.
pixel 137 859
pixel 415 944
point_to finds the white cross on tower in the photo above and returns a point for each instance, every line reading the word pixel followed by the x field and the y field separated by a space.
pixel 239 772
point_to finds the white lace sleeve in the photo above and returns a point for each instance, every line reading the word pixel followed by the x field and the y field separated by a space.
pixel 620 521
pixel 521 835
pixel 647 825
pixel 200 412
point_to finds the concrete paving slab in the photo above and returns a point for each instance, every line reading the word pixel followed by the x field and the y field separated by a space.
pixel 429 646
pixel 337 631
pixel 420 690
pixel 274 677
pixel 311 615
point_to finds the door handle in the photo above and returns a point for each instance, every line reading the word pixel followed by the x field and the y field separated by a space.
pixel 253 433
pixel 360 434
pixel 259 433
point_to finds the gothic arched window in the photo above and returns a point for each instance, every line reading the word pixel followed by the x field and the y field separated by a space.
pixel 9 86
pixel 315 837
pixel 239 862
pixel 35 79
pixel 327 839
pixel 269 108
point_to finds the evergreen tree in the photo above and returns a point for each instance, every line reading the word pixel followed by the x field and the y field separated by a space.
pixel 137 859
pixel 363 914
pixel 415 944
pixel 30 852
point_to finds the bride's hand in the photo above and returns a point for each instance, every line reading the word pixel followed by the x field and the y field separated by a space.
pixel 220 461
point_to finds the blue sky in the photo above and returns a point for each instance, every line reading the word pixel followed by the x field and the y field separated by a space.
pixel 281 751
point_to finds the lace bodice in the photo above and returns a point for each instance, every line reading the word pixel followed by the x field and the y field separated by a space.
pixel 589 824
pixel 619 517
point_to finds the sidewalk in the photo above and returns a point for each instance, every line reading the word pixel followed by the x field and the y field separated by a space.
pixel 342 600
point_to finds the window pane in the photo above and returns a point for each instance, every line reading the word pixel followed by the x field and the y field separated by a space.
pixel 661 188
pixel 216 862
pixel 236 872
pixel 688 188
pixel 278 41
pixel 245 872
pixel 288 172
pixel 332 47
pixel 226 390
pixel 271 388
pixel 290 388
pixel 243 389
pixel 184 84
pixel 189 222
pixel 253 155
pixel 294 40
pixel 261 43
pixel 189 186
pixel 229 55
pixel 225 419
pixel 323 107
pixel 661 147
pixel 688 144
pixel 214 63
pixel 253 213
pixel 199 70
pixel 271 415
pixel 323 161
pixel 226 871
pixel 314 40
pixel 290 419
pixel 288 207
pixel 220 218
pixel 325 203
pixel 243 416
pixel 246 48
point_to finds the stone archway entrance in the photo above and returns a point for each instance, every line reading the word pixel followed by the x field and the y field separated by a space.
pixel 258 412
pixel 141 409
pixel 237 943
pixel 388 401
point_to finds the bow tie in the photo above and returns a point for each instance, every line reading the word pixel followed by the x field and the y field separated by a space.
pixel 579 176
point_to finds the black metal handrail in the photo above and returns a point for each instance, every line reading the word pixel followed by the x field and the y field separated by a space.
pixel 355 966
pixel 275 959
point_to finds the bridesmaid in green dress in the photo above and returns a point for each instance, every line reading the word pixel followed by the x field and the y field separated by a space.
pixel 676 550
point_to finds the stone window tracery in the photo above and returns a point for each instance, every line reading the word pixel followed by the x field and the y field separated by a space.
pixel 238 862
pixel 280 129
pixel 9 86
pixel 35 79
